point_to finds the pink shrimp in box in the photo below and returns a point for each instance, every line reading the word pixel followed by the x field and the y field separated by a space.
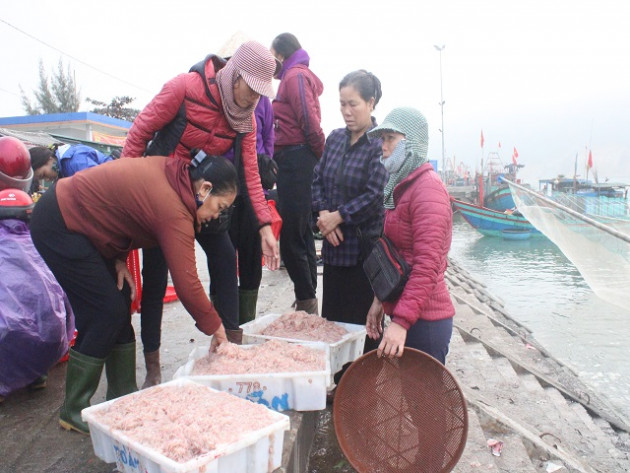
pixel 303 326
pixel 274 356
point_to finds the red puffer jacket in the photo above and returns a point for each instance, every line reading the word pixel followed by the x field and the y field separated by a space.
pixel 421 228
pixel 184 99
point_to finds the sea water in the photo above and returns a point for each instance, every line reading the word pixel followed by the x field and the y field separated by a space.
pixel 544 291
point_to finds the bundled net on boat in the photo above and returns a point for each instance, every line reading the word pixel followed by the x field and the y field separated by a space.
pixel 592 232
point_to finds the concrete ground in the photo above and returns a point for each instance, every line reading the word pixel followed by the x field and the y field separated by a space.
pixel 31 439
pixel 515 391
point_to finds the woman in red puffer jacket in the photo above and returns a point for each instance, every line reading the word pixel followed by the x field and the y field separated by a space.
pixel 205 109
pixel 419 222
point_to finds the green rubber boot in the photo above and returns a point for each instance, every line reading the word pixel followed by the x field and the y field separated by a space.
pixel 247 299
pixel 120 369
pixel 82 377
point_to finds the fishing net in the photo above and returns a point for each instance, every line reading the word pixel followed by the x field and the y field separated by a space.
pixel 593 232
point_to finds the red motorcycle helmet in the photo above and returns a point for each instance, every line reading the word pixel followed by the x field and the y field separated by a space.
pixel 16 204
pixel 15 164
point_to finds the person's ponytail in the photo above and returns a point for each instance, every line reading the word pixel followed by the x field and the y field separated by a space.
pixel 216 169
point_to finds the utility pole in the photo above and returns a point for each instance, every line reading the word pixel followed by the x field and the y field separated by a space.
pixel 439 49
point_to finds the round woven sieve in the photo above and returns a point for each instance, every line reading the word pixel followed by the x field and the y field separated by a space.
pixel 400 415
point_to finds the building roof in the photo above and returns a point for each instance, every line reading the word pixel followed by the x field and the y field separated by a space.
pixel 49 118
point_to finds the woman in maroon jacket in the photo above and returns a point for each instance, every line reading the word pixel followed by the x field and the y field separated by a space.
pixel 298 146
pixel 419 222
pixel 84 227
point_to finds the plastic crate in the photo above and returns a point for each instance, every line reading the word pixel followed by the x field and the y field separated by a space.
pixel 346 350
pixel 298 391
pixel 257 452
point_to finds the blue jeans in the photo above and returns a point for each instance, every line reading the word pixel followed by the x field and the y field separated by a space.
pixel 431 337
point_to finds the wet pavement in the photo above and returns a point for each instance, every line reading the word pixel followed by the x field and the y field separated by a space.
pixel 515 392
pixel 326 455
pixel 31 439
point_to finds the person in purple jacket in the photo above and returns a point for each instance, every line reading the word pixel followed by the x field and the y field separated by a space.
pixel 299 145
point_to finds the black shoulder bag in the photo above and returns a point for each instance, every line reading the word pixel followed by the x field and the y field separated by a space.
pixel 387 271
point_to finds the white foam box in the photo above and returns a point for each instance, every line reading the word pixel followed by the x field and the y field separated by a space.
pixel 298 391
pixel 346 350
pixel 258 451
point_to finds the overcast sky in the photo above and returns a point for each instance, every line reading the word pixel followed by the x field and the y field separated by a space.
pixel 549 77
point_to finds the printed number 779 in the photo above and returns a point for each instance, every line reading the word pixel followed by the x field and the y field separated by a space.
pixel 248 386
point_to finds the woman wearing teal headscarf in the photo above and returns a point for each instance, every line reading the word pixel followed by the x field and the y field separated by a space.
pixel 419 222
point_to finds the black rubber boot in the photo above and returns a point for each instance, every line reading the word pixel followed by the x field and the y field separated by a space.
pixel 82 377
pixel 120 369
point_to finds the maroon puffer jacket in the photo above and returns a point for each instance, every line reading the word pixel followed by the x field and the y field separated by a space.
pixel 421 228
pixel 296 110
pixel 206 128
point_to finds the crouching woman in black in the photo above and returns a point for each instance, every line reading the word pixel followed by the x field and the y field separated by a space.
pixel 84 228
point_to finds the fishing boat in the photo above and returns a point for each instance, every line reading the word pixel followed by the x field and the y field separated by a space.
pixel 496 193
pixel 584 187
pixel 516 234
pixel 500 198
pixel 599 199
pixel 505 224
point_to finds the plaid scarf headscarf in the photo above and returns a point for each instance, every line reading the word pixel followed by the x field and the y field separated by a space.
pixel 411 123
pixel 240 119
pixel 255 64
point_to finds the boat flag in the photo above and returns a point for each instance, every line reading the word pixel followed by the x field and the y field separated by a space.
pixel 590 159
pixel 499 144
pixel 514 156
pixel 482 138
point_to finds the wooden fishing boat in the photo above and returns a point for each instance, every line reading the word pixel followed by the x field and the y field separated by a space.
pixel 494 223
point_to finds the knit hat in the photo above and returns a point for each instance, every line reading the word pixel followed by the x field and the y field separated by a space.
pixel 231 45
pixel 411 123
pixel 256 65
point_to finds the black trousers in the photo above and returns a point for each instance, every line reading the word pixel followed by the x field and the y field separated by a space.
pixel 347 297
pixel 297 244
pixel 246 241
pixel 101 310
pixel 154 281
pixel 221 261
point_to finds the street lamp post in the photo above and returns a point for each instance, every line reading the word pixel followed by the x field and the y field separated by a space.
pixel 440 48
